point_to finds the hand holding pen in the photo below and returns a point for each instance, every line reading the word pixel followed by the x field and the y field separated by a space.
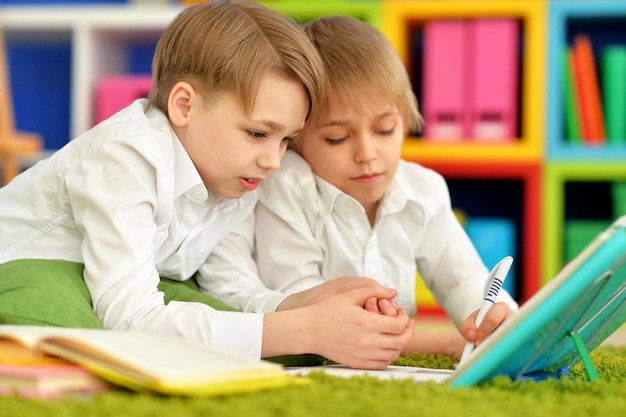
pixel 494 285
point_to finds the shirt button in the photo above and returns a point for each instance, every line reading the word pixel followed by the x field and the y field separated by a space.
pixel 199 193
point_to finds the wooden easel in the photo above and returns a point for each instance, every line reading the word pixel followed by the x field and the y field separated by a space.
pixel 13 144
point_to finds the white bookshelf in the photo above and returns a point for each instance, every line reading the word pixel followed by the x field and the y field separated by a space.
pixel 100 37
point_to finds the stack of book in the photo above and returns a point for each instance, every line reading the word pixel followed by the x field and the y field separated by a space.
pixel 25 374
pixel 595 101
pixel 50 362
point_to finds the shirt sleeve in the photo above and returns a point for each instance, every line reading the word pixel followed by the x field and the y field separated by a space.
pixel 448 261
pixel 113 194
pixel 231 275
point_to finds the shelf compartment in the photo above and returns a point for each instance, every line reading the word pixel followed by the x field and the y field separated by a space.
pixel 400 18
pixel 602 21
pixel 503 190
pixel 560 179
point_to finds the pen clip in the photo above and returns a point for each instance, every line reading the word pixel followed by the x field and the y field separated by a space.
pixel 496 278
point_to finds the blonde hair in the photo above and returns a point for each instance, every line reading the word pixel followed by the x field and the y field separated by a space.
pixel 361 65
pixel 229 46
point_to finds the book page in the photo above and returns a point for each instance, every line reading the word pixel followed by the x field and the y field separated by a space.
pixel 391 372
pixel 149 356
pixel 17 340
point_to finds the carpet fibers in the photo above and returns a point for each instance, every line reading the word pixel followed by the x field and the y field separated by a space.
pixel 366 396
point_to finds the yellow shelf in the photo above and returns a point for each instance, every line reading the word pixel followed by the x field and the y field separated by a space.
pixel 471 151
pixel 399 18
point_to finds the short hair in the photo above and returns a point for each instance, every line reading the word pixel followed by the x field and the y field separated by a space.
pixel 361 65
pixel 229 46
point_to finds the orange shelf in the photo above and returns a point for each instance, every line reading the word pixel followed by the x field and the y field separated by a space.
pixel 471 151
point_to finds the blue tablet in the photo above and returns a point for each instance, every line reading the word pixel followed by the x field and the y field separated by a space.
pixel 564 321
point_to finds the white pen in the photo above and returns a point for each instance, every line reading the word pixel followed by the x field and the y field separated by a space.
pixel 494 284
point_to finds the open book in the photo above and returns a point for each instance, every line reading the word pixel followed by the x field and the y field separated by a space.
pixel 142 361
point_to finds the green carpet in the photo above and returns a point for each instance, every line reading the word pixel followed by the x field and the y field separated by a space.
pixel 365 396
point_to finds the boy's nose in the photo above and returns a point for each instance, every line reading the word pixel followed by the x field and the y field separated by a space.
pixel 271 159
pixel 365 152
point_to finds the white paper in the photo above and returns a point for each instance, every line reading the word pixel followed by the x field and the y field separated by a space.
pixel 391 372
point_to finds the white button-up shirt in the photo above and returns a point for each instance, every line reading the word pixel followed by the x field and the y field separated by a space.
pixel 126 200
pixel 308 232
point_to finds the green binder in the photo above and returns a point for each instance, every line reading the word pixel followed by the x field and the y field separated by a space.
pixel 614 88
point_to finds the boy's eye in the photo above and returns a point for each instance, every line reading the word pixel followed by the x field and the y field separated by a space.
pixel 287 141
pixel 256 135
pixel 387 132
pixel 332 141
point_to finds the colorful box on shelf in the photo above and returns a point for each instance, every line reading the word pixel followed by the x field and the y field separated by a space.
pixel 618 189
pixel 494 238
pixel 113 93
pixel 445 80
pixel 470 80
pixel 494 72
pixel 578 233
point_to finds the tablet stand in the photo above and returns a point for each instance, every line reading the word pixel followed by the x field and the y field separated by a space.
pixel 583 306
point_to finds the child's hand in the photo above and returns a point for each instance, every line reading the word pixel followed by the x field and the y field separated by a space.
pixel 329 289
pixel 382 306
pixel 340 329
pixel 494 318
pixel 364 340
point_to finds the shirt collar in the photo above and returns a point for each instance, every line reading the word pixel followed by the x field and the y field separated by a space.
pixel 186 174
pixel 188 179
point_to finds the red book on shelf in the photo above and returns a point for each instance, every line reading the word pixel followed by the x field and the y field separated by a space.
pixel 588 91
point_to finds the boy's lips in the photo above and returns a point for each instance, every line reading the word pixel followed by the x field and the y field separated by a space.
pixel 250 184
pixel 368 178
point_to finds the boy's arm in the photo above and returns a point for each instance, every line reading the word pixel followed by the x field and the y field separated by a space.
pixel 231 275
pixel 448 261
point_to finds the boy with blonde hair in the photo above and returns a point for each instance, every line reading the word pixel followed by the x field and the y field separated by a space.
pixel 345 203
pixel 139 207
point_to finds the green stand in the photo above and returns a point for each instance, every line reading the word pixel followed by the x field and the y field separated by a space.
pixel 590 369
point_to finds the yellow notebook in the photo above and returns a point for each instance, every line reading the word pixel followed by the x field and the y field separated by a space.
pixel 147 362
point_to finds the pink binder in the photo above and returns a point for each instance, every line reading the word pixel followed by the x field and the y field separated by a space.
pixel 444 91
pixel 113 93
pixel 494 78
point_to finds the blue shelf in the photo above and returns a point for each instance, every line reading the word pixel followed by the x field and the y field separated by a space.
pixel 566 17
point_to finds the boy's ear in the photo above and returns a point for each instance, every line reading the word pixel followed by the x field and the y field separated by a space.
pixel 179 103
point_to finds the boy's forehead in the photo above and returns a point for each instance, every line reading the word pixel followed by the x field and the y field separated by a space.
pixel 366 103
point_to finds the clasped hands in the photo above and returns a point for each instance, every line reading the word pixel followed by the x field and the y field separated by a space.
pixel 362 327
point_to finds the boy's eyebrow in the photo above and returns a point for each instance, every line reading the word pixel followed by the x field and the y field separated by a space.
pixel 271 124
pixel 345 122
